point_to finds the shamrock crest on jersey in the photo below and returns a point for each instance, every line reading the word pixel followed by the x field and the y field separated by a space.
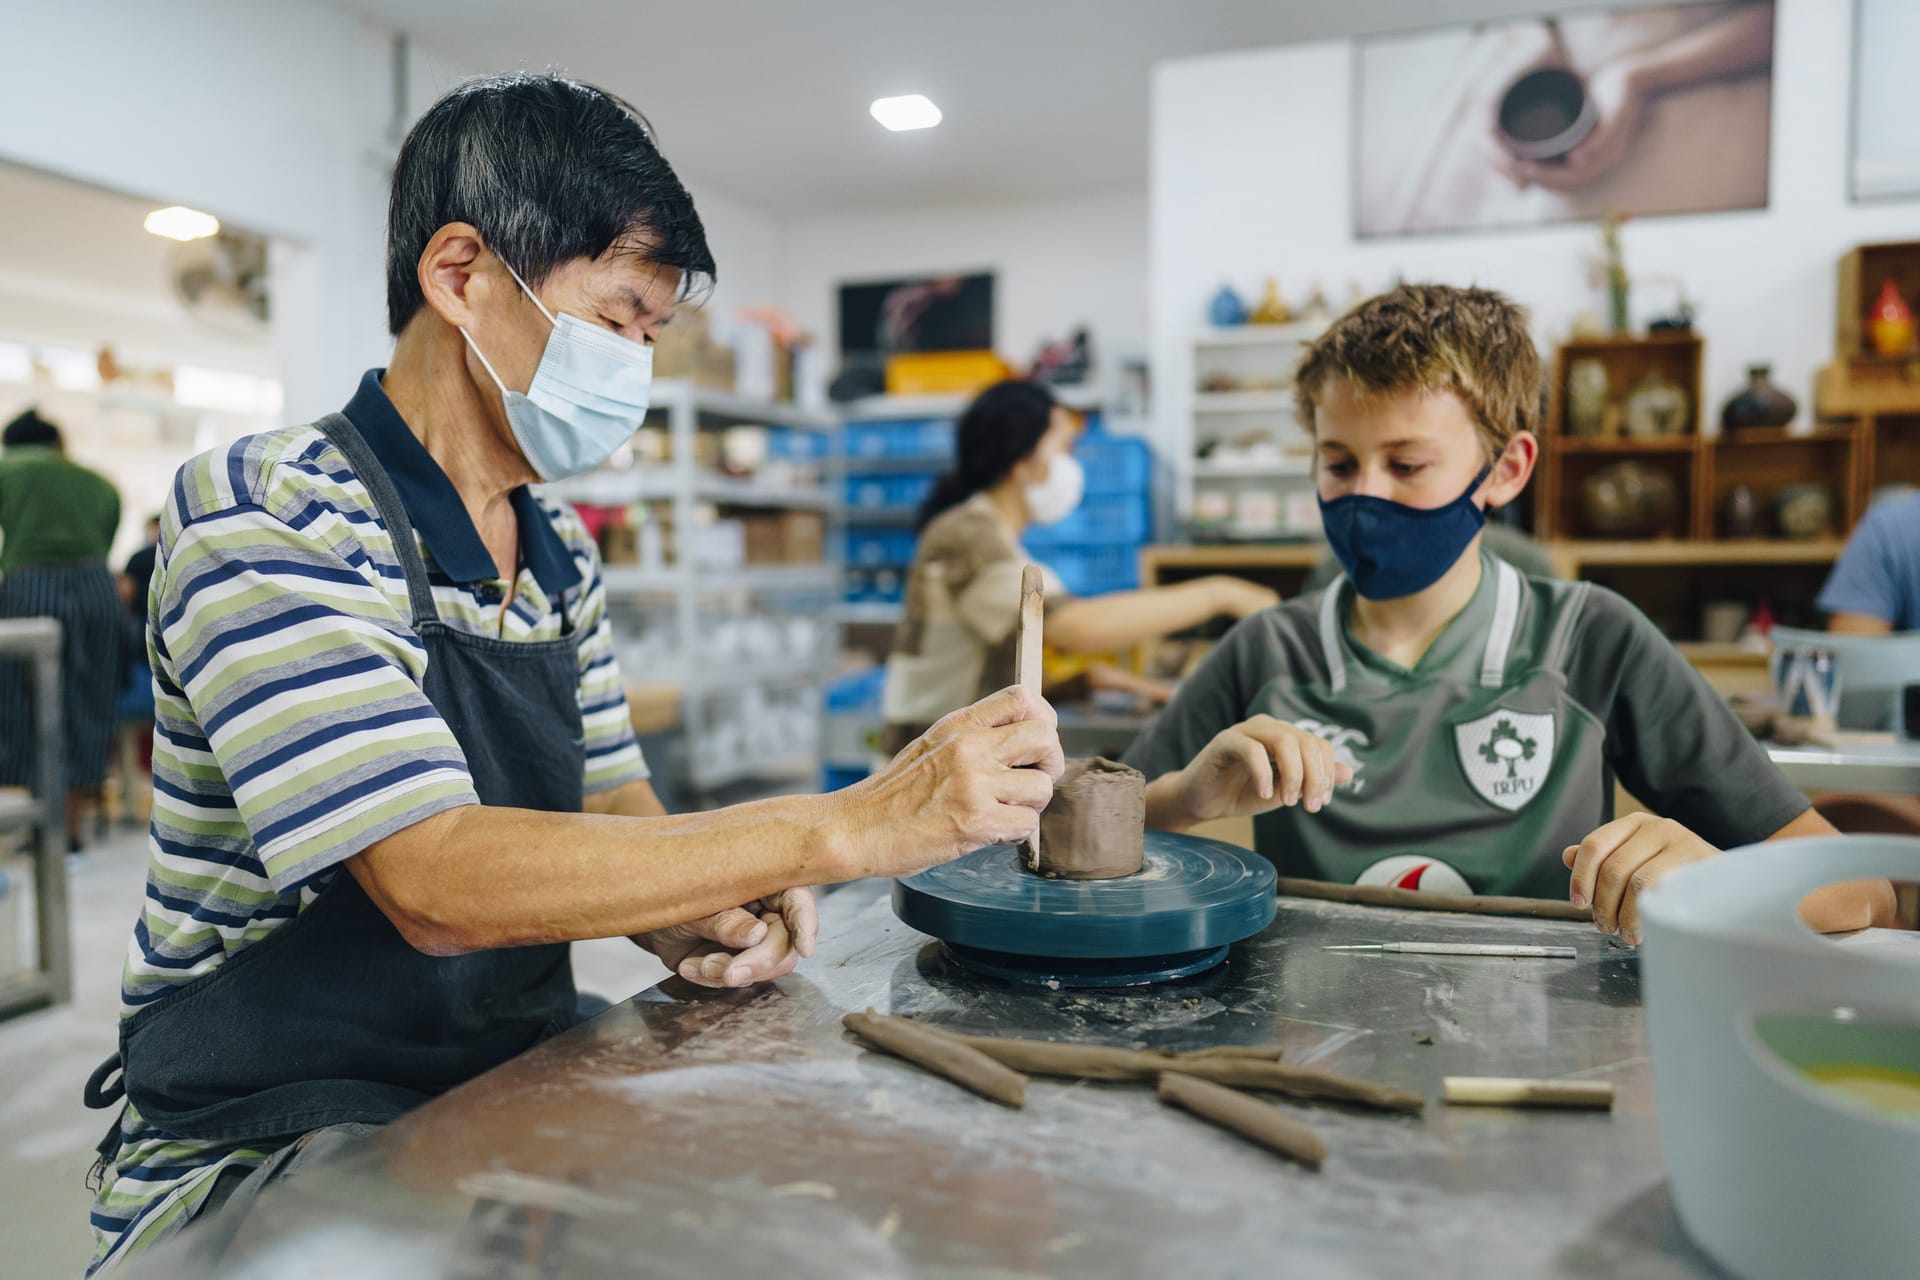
pixel 1506 755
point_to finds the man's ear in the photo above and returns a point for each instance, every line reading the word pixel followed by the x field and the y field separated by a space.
pixel 450 273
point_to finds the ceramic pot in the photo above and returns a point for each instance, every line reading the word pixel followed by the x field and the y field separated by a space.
pixel 1890 323
pixel 1761 404
pixel 1545 114
pixel 1803 511
pixel 1630 500
pixel 1587 397
pixel 1657 407
pixel 1226 309
pixel 1740 513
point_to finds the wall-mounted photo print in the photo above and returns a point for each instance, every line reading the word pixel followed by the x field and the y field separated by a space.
pixel 1563 118
pixel 1885 164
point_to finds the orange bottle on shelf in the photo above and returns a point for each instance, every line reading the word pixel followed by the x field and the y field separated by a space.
pixel 1891 322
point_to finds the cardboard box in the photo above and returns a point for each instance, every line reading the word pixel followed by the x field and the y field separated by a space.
pixel 803 537
pixel 944 373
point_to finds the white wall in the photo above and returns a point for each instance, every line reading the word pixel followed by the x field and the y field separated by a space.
pixel 1059 264
pixel 267 115
pixel 1251 176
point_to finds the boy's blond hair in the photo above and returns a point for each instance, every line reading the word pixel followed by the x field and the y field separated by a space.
pixel 1433 337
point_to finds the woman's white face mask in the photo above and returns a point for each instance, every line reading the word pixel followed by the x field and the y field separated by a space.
pixel 1058 495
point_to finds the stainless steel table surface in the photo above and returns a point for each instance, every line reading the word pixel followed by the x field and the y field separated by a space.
pixel 703 1134
pixel 1889 768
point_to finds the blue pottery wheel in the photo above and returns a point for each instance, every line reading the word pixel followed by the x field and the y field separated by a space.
pixel 1176 916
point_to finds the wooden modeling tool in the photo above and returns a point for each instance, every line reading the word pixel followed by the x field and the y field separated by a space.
pixel 1465 949
pixel 1026 667
pixel 1495 1091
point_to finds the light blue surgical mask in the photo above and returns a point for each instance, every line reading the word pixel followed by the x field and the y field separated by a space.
pixel 588 396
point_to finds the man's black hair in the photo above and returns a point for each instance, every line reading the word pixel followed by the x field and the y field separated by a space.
pixel 547 170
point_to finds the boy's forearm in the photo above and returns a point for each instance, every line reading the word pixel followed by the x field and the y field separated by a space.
pixel 1166 806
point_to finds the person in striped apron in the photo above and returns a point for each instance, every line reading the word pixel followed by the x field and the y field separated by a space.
pixel 395 774
pixel 57 521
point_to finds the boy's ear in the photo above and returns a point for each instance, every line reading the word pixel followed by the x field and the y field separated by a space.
pixel 1512 469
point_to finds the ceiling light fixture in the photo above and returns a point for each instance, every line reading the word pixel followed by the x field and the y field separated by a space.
pixel 910 111
pixel 176 222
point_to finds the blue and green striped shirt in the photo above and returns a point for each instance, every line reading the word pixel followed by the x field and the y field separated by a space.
pixel 291 731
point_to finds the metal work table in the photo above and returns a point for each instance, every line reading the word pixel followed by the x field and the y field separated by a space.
pixel 1891 768
pixel 693 1133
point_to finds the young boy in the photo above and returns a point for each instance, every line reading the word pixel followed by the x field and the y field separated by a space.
pixel 1471 719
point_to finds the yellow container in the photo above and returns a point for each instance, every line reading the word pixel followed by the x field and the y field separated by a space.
pixel 944 373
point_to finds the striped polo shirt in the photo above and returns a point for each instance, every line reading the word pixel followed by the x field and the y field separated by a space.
pixel 291 730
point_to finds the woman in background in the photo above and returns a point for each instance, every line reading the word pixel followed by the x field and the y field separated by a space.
pixel 1015 468
pixel 57 521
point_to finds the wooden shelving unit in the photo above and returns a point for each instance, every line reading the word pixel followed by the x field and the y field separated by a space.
pixel 1567 461
pixel 1670 579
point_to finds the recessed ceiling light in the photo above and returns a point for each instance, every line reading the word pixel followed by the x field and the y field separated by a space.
pixel 177 222
pixel 911 111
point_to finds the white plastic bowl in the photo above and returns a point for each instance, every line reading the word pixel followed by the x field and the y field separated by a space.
pixel 1773 1173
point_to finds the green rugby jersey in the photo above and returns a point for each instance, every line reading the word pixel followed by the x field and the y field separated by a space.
pixel 1475 769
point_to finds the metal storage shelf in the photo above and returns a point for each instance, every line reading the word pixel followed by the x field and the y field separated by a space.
pixel 688 589
pixel 44 816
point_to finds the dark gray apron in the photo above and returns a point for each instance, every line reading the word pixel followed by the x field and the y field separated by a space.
pixel 333 1018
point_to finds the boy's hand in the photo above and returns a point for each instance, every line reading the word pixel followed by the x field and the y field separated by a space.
pixel 1257 766
pixel 1620 861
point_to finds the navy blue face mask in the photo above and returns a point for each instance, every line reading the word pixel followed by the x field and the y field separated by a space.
pixel 1391 550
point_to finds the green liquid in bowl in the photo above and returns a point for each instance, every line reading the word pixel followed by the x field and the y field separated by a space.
pixel 1873 1063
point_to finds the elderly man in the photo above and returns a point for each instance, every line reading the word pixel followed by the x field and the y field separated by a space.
pixel 393 770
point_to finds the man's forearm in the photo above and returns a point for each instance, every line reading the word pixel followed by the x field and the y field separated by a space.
pixel 481 877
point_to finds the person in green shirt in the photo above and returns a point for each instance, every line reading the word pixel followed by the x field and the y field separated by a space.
pixel 57 521
pixel 1437 719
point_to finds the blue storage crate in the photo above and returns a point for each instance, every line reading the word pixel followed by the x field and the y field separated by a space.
pixel 889 491
pixel 787 445
pixel 1100 519
pixel 838 777
pixel 879 548
pixel 1092 571
pixel 1115 464
pixel 859 691
pixel 910 438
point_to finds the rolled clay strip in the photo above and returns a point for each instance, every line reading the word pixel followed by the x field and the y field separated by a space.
pixel 1071 1061
pixel 1095 826
pixel 1260 1052
pixel 941 1053
pixel 1300 1082
pixel 1496 1091
pixel 1372 895
pixel 1237 1113
pixel 1099 1062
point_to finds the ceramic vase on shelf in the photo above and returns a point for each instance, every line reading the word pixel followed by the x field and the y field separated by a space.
pixel 1587 397
pixel 1740 513
pixel 1761 404
pixel 1226 309
pixel 1890 323
pixel 1630 500
pixel 1803 511
pixel 1657 407
pixel 1272 308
